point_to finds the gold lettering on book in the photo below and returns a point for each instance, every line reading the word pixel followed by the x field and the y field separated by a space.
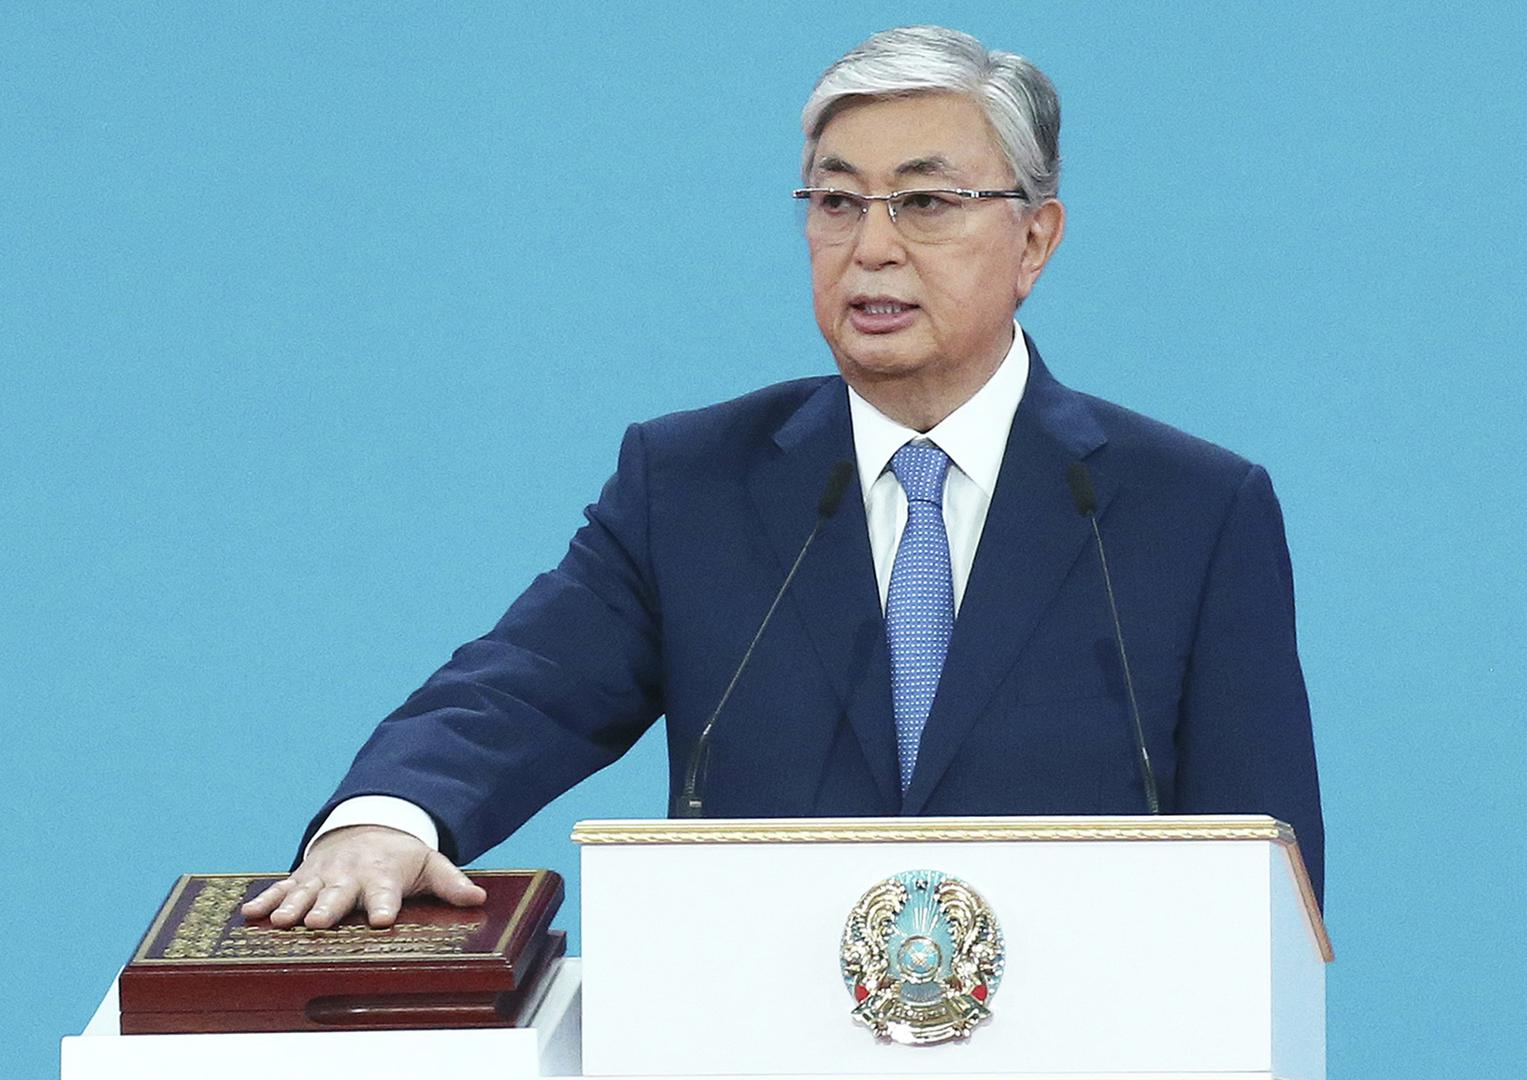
pixel 197 937
pixel 410 938
pixel 209 931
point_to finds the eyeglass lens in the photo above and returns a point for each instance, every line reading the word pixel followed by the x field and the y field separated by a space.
pixel 923 216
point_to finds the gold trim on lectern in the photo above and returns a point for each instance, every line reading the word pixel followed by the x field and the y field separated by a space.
pixel 898 830
pixel 928 829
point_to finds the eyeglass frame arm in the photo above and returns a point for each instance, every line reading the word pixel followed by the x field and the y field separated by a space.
pixel 968 193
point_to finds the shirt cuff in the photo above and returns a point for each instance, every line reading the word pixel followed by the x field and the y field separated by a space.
pixel 386 810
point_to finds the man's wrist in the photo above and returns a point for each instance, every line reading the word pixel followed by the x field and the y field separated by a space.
pixel 384 810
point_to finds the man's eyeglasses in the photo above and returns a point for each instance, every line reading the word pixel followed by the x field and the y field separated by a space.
pixel 928 216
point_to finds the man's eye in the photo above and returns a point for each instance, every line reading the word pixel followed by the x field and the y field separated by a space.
pixel 928 203
pixel 834 203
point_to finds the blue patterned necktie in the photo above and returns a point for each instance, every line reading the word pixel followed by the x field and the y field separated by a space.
pixel 919 606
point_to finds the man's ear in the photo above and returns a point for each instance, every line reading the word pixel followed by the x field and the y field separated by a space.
pixel 1043 228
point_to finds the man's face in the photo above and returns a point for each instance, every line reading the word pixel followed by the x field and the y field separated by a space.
pixel 894 311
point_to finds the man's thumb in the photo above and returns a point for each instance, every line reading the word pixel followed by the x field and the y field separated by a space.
pixel 450 884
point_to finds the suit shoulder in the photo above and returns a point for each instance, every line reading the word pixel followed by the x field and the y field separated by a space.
pixel 1161 450
pixel 740 421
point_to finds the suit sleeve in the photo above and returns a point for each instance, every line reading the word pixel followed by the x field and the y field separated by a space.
pixel 1244 743
pixel 562 686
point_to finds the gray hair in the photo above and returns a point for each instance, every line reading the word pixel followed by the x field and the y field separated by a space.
pixel 1018 100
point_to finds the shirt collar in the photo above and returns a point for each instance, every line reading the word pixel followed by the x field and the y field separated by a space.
pixel 974 435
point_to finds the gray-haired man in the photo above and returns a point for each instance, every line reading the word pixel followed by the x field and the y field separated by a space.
pixel 948 649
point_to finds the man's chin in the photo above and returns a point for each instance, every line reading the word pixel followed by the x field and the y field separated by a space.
pixel 880 366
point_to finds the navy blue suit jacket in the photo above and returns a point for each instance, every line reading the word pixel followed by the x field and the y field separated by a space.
pixel 662 589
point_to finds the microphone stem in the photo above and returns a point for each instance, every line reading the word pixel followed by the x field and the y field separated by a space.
pixel 691 805
pixel 1147 773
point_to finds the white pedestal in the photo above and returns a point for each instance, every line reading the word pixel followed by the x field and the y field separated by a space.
pixel 548 1046
pixel 1181 947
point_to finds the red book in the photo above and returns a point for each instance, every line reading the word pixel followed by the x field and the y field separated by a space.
pixel 203 967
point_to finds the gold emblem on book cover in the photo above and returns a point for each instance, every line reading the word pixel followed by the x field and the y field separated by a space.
pixel 922 955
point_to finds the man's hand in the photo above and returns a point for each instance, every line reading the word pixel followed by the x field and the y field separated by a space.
pixel 369 865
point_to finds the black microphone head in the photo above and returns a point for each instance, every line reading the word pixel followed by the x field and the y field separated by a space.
pixel 1080 484
pixel 837 484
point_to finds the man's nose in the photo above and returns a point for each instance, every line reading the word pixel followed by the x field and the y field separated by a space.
pixel 879 241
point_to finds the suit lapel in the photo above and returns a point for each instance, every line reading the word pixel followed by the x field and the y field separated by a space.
pixel 1031 538
pixel 834 592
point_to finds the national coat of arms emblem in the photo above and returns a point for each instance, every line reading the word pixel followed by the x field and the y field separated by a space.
pixel 922 955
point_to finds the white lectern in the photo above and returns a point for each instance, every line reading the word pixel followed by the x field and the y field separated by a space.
pixel 1146 947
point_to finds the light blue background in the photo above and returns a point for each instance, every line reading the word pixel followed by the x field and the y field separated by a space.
pixel 319 325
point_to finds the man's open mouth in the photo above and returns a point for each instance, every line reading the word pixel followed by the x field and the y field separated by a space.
pixel 881 307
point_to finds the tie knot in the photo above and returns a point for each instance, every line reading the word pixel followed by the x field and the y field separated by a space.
pixel 921 468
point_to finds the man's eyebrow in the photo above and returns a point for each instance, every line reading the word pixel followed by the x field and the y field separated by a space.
pixel 832 163
pixel 935 165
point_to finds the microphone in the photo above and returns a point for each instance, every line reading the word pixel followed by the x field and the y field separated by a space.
pixel 691 802
pixel 1080 483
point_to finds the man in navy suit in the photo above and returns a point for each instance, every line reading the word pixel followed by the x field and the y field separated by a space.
pixel 946 648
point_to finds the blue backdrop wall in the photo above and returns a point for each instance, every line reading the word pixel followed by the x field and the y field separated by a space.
pixel 320 324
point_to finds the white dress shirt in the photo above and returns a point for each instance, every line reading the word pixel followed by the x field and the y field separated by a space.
pixel 975 438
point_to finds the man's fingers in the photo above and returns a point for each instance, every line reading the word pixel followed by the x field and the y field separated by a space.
pixel 382 900
pixel 449 883
pixel 333 903
pixel 268 900
pixel 371 866
pixel 299 898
